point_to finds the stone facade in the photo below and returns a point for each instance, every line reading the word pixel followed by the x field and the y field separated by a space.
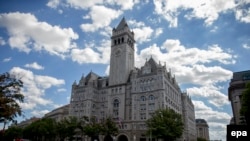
pixel 59 113
pixel 236 87
pixel 26 122
pixel 188 112
pixel 129 94
pixel 202 129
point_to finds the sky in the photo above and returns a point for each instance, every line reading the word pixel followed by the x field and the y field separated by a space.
pixel 50 44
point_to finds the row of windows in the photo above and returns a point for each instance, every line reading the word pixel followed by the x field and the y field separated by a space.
pixel 116 90
pixel 151 106
pixel 144 98
pixel 121 40
pixel 143 116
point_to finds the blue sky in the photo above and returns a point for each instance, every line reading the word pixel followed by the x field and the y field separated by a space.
pixel 50 44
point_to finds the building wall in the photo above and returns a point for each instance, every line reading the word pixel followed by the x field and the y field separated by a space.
pixel 59 113
pixel 188 118
pixel 202 129
pixel 236 87
pixel 26 122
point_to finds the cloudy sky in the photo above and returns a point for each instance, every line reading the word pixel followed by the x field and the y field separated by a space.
pixel 50 44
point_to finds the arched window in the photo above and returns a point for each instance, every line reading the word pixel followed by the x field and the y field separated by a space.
pixel 119 41
pixel 116 103
pixel 122 39
pixel 151 97
pixel 143 98
pixel 115 42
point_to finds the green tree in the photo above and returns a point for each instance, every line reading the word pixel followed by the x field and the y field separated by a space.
pixel 165 124
pixel 92 128
pixel 10 96
pixel 245 109
pixel 13 133
pixel 109 127
pixel 67 128
pixel 39 130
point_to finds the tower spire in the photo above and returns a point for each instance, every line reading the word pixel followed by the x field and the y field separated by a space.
pixel 122 24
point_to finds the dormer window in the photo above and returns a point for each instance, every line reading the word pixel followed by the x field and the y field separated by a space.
pixel 146 70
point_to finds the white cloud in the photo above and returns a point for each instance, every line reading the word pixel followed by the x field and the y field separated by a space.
pixel 61 90
pixel 23 29
pixel 208 10
pixel 172 45
pixel 216 120
pixel 84 4
pixel 34 65
pixel 35 87
pixel 39 113
pixel 246 46
pixel 7 59
pixel 214 29
pixel 2 42
pixel 193 66
pixel 101 17
pixel 125 4
pixel 241 13
pixel 183 56
pixel 92 53
pixel 158 32
pixel 53 3
pixel 211 93
pixel 142 32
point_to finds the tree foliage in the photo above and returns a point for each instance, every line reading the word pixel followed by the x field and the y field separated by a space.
pixel 40 130
pixel 66 129
pixel 92 127
pixel 165 124
pixel 13 133
pixel 10 96
pixel 109 127
pixel 245 109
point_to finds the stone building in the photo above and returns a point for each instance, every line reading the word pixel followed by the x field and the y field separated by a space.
pixel 202 129
pixel 236 87
pixel 58 113
pixel 129 94
pixel 188 118
pixel 26 122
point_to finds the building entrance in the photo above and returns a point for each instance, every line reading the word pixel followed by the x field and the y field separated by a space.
pixel 108 138
pixel 122 138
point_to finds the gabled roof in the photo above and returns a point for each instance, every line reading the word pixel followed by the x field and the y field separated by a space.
pixel 152 63
pixel 91 76
pixel 122 24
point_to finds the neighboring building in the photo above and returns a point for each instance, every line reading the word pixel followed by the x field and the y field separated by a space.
pixel 59 113
pixel 27 122
pixel 236 87
pixel 130 95
pixel 202 129
pixel 189 118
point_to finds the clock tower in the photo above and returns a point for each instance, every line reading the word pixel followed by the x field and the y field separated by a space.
pixel 122 54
